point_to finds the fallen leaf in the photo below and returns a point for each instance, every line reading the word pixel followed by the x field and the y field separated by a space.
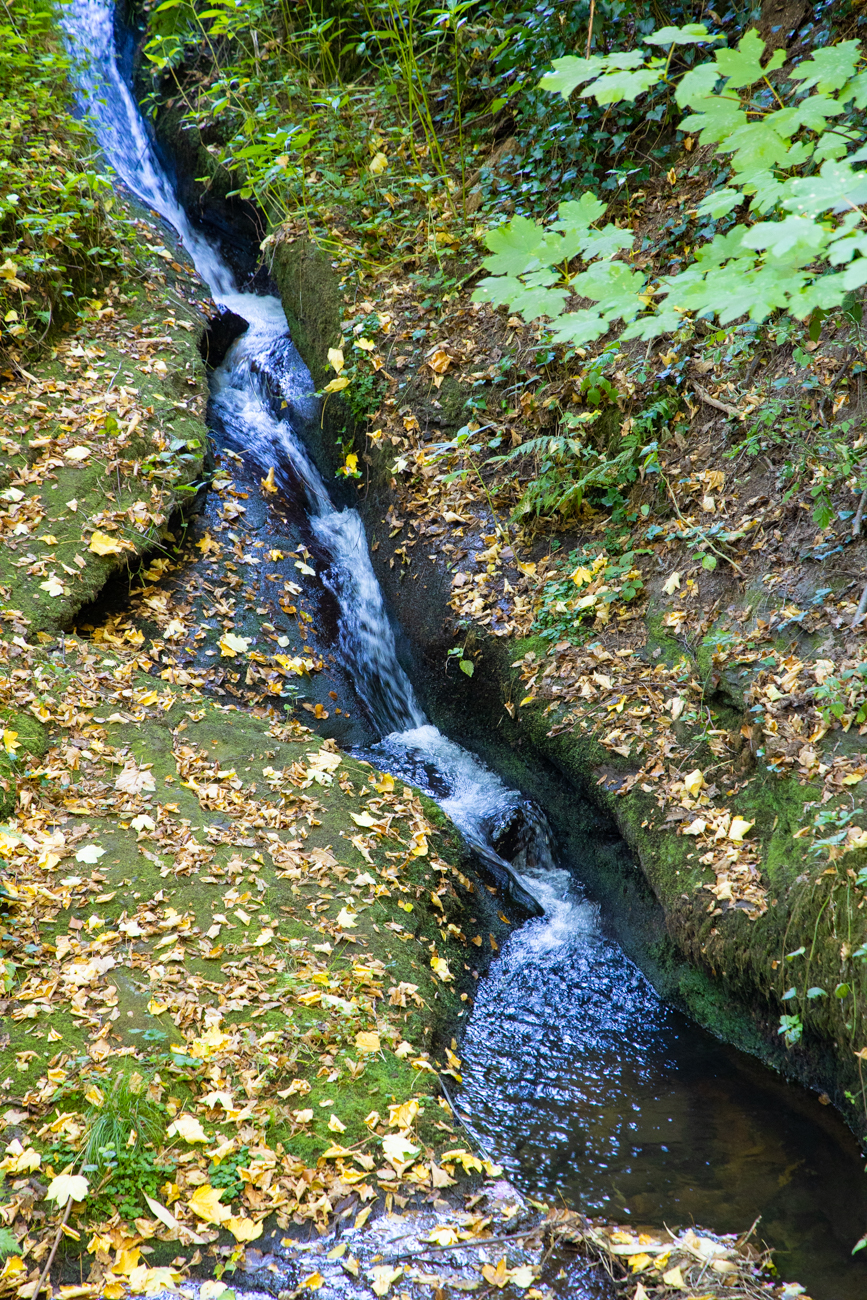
pixel 67 1187
pixel 102 544
pixel 205 1203
pixel 188 1128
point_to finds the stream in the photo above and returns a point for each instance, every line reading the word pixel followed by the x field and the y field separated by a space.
pixel 578 1079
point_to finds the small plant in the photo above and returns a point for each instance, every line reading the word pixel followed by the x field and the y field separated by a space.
pixel 125 1126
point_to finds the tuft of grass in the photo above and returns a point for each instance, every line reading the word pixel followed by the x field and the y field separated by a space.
pixel 126 1120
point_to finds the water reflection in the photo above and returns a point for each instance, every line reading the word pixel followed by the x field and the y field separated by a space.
pixel 591 1091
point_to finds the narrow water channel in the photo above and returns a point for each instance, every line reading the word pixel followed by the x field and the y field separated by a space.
pixel 577 1077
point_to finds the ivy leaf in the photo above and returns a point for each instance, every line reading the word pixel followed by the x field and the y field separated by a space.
pixel 696 84
pixel 617 86
pixel 743 66
pixel 569 73
pixel 514 247
pixel 829 68
pixel 714 119
pixel 689 34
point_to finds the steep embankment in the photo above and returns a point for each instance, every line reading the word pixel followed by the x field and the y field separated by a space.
pixel 691 718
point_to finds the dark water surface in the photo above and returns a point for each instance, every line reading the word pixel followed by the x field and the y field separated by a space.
pixel 591 1092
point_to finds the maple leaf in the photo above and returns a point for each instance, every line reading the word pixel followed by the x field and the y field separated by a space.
pixel 205 1203
pixel 133 779
pixel 67 1187
pixel 367 1042
pixel 102 544
pixel 382 1277
pixel 189 1128
pixel 231 645
pixel 242 1228
pixel 398 1149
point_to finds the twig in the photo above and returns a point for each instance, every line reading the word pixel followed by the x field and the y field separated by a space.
pixel 470 1245
pixel 590 28
pixel 717 405
pixel 861 610
pixel 50 1261
pixel 859 514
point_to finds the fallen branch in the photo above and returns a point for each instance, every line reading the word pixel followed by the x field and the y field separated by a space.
pixel 861 610
pixel 40 1284
pixel 859 514
pixel 715 403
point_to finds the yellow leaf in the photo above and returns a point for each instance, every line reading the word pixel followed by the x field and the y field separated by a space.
pixel 398 1149
pixel 67 1187
pixel 440 968
pixel 126 1261
pixel 205 1203
pixel 385 784
pixel 363 819
pixel 113 1290
pixel 335 359
pixel 498 1276
pixel 189 1128
pixel 382 1276
pixel 11 741
pixel 76 453
pixel 674 1278
pixel 337 385
pixel 336 1125
pixel 347 920
pixel 378 164
pixel 313 1282
pixel 638 1262
pixel 671 585
pixel 231 645
pixel 367 1042
pixel 522 1277
pixel 693 783
pixel 242 1228
pixel 738 829
pixel 366 345
pixel 53 586
pixel 267 483
pixel 362 1217
pixel 102 544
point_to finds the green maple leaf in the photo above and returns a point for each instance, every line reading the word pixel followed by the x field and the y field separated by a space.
pixel 538 301
pixel 499 290
pixel 855 90
pixel 579 327
pixel 837 188
pixel 579 212
pixel 829 68
pixel 814 111
pixel 743 66
pixel 720 203
pixel 697 84
pixel 798 238
pixel 514 246
pixel 617 86
pixel 715 118
pixel 755 145
pixel 606 242
pixel 569 73
pixel 689 34
pixel 664 321
pixel 611 285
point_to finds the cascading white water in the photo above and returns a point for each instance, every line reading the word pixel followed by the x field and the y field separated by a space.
pixel 262 397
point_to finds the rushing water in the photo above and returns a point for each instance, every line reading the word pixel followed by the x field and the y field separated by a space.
pixel 582 1082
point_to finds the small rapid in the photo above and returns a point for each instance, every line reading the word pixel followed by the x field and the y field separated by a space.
pixel 585 1086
